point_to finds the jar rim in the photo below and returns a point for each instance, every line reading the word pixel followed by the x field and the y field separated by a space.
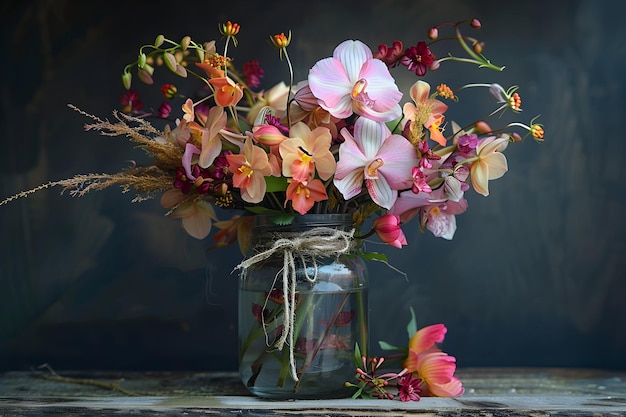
pixel 336 220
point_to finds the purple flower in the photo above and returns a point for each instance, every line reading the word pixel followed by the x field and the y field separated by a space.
pixel 409 388
pixel 418 58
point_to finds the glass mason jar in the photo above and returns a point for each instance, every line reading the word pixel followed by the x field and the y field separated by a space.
pixel 301 346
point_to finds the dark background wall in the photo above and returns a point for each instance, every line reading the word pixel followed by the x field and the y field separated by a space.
pixel 533 277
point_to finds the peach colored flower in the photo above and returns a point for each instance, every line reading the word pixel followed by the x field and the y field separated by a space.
pixel 307 151
pixel 249 170
pixel 491 163
pixel 425 111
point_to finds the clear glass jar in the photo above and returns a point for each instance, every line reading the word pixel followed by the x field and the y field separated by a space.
pixel 330 314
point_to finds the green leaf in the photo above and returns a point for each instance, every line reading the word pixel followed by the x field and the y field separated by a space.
pixel 263 210
pixel 357 394
pixel 374 256
pixel 283 219
pixel 357 356
pixel 411 328
pixel 387 346
pixel 275 184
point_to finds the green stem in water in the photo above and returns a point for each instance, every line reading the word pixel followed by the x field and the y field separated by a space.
pixel 318 345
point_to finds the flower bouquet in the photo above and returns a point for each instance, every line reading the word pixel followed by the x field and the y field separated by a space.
pixel 343 142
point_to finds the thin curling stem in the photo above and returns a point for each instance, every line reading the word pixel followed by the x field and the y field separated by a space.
pixel 290 86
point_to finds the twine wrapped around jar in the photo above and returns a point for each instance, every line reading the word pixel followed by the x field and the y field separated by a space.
pixel 307 246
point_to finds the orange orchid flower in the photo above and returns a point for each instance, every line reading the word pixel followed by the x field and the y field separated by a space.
pixel 304 195
pixel 227 92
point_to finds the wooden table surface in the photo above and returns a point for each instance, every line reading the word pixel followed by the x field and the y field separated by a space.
pixel 489 392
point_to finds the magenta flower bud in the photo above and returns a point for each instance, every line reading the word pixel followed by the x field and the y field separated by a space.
pixel 433 33
pixel 475 23
pixel 164 110
pixel 387 228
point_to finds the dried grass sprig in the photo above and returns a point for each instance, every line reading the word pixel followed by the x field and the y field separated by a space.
pixel 145 180
pixel 166 154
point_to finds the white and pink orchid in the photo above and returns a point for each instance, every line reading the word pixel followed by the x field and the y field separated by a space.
pixel 352 81
pixel 376 159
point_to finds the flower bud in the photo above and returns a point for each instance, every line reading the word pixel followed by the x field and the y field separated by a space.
pixel 229 28
pixel 181 71
pixel 170 61
pixel 159 41
pixel 478 47
pixel 435 65
pixel 141 60
pixel 475 23
pixel 281 41
pixel 126 79
pixel 537 131
pixel 144 76
pixel 169 91
pixel 387 228
pixel 433 33
pixel 268 135
pixel 482 127
pixel 200 54
pixel 184 43
pixel 164 110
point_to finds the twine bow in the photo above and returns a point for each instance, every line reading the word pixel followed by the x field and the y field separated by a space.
pixel 307 246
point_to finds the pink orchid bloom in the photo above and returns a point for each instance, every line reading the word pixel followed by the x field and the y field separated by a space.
pixel 189 158
pixel 197 216
pixel 387 228
pixel 434 367
pixel 426 110
pixel 307 151
pixel 352 81
pixel 374 156
pixel 249 170
pixel 304 195
pixel 435 211
pixel 427 337
pixel 227 92
pixel 210 138
pixel 491 163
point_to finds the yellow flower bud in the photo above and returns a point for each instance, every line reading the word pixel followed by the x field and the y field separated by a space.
pixel 281 41
pixel 229 29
